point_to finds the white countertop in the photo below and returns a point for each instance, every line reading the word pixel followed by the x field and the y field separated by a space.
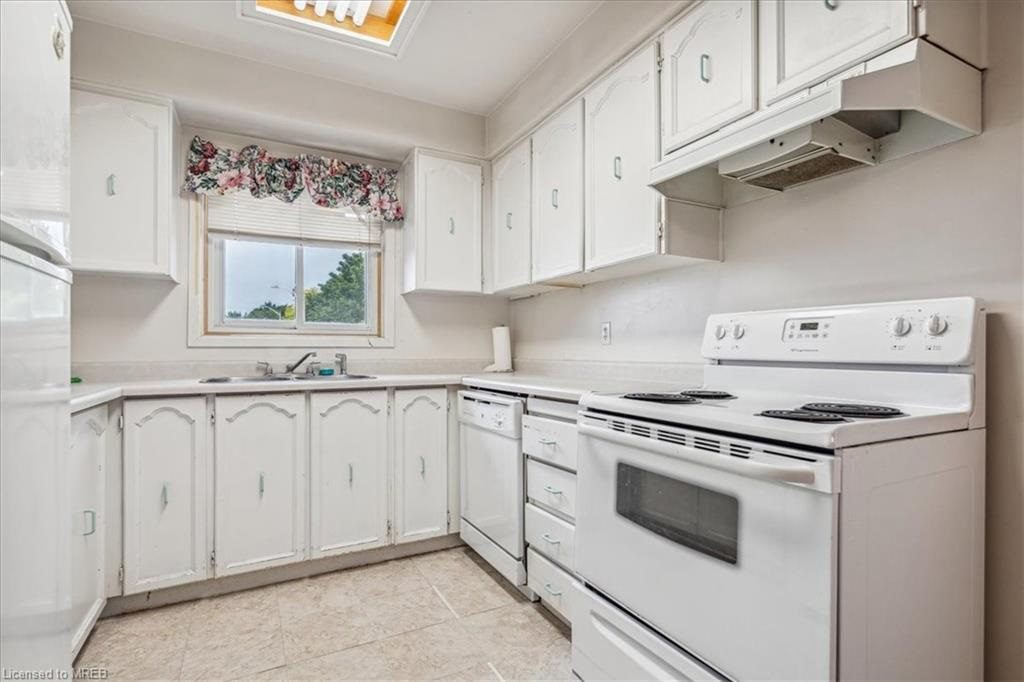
pixel 85 395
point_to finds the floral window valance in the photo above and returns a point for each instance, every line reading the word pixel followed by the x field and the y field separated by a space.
pixel 330 182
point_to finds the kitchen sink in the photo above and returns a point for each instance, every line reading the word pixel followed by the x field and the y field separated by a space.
pixel 283 377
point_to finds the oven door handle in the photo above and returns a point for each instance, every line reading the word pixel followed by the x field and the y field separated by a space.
pixel 736 465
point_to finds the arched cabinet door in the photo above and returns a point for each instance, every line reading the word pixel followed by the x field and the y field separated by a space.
pixel 348 471
pixel 421 463
pixel 88 453
pixel 260 518
pixel 166 460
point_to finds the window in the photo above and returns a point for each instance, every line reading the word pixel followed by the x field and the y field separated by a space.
pixel 290 268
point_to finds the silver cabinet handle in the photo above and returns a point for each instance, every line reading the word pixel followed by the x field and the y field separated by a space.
pixel 262 484
pixel 832 4
pixel 550 540
pixel 553 491
pixel 423 467
pixel 508 220
pixel 554 198
pixel 350 474
pixel 552 591
pixel 91 515
pixel 111 185
pixel 705 67
pixel 59 44
pixel 164 500
pixel 546 441
pixel 451 226
pixel 617 167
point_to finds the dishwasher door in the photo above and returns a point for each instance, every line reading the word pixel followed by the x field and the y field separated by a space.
pixel 492 471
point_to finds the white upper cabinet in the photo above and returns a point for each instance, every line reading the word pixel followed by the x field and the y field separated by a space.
pixel 348 471
pixel 708 72
pixel 123 185
pixel 622 145
pixel 803 42
pixel 558 195
pixel 260 481
pixel 510 220
pixel 166 462
pixel 88 521
pixel 421 463
pixel 443 226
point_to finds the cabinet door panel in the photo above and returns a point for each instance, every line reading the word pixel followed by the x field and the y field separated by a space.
pixel 557 196
pixel 120 185
pixel 260 482
pixel 622 145
pixel 165 493
pixel 510 223
pixel 87 456
pixel 348 446
pixel 421 464
pixel 804 42
pixel 450 249
pixel 708 71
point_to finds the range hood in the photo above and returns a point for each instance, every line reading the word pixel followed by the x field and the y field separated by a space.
pixel 912 98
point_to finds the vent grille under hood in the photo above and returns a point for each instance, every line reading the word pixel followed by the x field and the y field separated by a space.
pixel 912 98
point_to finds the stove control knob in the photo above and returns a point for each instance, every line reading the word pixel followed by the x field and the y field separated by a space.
pixel 937 325
pixel 738 330
pixel 720 332
pixel 900 326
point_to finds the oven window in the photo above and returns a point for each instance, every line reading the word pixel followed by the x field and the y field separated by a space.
pixel 701 519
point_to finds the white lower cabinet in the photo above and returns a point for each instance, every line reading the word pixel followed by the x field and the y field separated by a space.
pixel 87 457
pixel 421 463
pixel 552 584
pixel 348 471
pixel 166 460
pixel 260 501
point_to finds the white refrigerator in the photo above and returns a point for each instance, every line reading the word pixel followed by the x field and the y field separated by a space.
pixel 35 523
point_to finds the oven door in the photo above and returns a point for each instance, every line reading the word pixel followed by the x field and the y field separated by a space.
pixel 726 549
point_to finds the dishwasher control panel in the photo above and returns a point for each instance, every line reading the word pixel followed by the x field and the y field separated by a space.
pixel 492 412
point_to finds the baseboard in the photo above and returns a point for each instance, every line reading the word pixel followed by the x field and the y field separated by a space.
pixel 247 581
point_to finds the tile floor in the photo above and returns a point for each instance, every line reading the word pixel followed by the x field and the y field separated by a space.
pixel 443 615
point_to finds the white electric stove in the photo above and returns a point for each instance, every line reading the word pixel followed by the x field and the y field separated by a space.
pixel 814 511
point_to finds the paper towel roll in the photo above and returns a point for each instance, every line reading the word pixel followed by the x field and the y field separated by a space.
pixel 502 351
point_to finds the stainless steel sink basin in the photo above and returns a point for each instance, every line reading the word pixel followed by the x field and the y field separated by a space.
pixel 283 377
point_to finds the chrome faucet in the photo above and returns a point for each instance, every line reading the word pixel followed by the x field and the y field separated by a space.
pixel 342 363
pixel 291 368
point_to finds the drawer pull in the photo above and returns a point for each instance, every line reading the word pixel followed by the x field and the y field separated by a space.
pixel 91 515
pixel 262 485
pixel 552 591
pixel 550 540
pixel 350 474
pixel 423 467
pixel 617 167
pixel 547 441
pixel 451 225
pixel 554 198
pixel 705 68
pixel 553 491
pixel 508 220
pixel 163 497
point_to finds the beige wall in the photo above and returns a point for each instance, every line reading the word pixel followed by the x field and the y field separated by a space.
pixel 142 324
pixel 224 92
pixel 943 223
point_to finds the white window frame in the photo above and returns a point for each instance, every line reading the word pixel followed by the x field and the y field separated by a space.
pixel 201 276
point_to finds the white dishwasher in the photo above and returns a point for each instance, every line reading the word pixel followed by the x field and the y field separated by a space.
pixel 491 455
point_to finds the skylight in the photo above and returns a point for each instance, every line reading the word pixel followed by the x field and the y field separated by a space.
pixel 379 25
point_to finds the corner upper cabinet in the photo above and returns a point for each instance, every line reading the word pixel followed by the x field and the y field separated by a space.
pixel 348 471
pixel 557 195
pixel 443 227
pixel 510 220
pixel 622 145
pixel 708 70
pixel 166 461
pixel 421 463
pixel 123 183
pixel 260 481
pixel 803 42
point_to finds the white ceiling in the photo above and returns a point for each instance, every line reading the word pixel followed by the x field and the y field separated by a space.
pixel 464 54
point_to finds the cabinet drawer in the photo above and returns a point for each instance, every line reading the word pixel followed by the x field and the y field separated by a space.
pixel 550 440
pixel 551 536
pixel 553 585
pixel 551 487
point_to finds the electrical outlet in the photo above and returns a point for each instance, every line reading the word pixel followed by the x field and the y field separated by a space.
pixel 606 333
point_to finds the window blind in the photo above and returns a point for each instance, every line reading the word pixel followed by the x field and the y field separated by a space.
pixel 242 214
